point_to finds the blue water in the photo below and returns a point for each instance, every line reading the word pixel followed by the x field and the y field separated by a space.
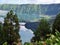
pixel 26 34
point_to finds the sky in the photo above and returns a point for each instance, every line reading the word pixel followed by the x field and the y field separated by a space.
pixel 3 12
pixel 29 1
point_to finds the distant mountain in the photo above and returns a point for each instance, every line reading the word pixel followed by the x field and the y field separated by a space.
pixel 32 12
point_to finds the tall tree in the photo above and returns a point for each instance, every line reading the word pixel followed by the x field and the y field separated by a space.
pixel 56 24
pixel 11 28
pixel 42 30
pixel 1 33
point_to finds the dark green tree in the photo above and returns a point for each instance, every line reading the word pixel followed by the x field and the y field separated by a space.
pixel 56 24
pixel 11 28
pixel 42 30
pixel 1 33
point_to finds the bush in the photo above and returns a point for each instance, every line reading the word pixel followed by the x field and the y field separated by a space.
pixel 52 40
pixel 5 43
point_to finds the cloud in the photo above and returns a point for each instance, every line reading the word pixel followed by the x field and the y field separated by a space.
pixel 9 1
pixel 1 19
pixel 39 1
pixel 43 16
pixel 3 13
pixel 46 16
pixel 29 1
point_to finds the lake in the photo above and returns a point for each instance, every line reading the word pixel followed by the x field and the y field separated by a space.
pixel 26 34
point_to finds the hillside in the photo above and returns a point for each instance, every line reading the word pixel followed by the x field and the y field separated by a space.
pixel 32 12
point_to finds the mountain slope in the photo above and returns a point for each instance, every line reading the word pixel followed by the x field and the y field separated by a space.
pixel 28 12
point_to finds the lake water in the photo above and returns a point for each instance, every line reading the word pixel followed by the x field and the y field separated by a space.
pixel 26 34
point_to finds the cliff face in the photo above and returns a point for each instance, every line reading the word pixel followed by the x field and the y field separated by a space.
pixel 28 12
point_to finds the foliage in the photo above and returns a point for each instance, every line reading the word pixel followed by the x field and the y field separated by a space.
pixel 42 31
pixel 1 33
pixel 56 24
pixel 52 40
pixel 26 43
pixel 5 43
pixel 11 28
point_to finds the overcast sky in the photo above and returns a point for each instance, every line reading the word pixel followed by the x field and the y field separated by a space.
pixel 29 1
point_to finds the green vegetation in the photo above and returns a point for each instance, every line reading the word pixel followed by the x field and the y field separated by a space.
pixel 5 43
pixel 42 31
pixel 26 43
pixel 56 24
pixel 10 30
pixel 52 40
pixel 43 35
pixel 1 33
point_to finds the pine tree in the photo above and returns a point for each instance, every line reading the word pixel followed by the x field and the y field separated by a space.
pixel 56 24
pixel 1 33
pixel 11 28
pixel 42 30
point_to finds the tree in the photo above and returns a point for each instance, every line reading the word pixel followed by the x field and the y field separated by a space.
pixel 1 33
pixel 56 24
pixel 42 30
pixel 11 28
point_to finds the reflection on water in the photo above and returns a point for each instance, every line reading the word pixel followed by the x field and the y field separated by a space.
pixel 26 34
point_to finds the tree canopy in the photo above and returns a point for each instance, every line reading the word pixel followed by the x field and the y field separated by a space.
pixel 11 28
pixel 56 24
pixel 42 30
